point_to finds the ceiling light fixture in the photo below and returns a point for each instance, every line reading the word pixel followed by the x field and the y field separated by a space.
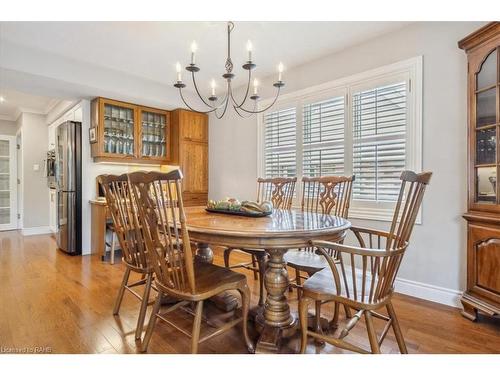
pixel 214 104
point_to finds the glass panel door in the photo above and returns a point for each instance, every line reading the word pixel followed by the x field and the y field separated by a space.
pixel 118 130
pixel 486 134
pixel 8 204
pixel 154 134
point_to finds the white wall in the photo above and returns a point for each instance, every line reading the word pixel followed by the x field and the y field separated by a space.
pixel 8 127
pixel 435 262
pixel 35 213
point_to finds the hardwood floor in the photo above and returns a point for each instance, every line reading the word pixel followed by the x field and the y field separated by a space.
pixel 62 304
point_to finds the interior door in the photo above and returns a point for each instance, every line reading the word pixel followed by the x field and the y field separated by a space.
pixel 8 182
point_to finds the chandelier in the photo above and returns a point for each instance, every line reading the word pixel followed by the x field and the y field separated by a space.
pixel 214 103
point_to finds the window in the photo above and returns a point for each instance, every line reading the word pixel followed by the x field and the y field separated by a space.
pixel 368 125
pixel 323 137
pixel 280 143
pixel 379 138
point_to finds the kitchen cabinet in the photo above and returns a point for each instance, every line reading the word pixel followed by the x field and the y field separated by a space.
pixel 129 133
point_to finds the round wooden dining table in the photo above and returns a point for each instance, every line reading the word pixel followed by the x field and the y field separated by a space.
pixel 276 233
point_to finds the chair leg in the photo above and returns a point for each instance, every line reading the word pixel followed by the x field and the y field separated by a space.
pixel 397 329
pixel 317 323
pixel 335 321
pixel 261 259
pixel 372 335
pixel 144 307
pixel 254 266
pixel 298 281
pixel 121 291
pixel 195 338
pixel 245 306
pixel 227 253
pixel 113 246
pixel 152 323
pixel 303 308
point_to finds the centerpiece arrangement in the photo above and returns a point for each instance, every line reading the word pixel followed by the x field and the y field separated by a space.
pixel 233 206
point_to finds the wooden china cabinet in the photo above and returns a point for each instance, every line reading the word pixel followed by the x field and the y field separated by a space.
pixel 126 132
pixel 483 214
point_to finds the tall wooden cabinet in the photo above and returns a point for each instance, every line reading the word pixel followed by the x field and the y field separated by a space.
pixel 190 152
pixel 483 214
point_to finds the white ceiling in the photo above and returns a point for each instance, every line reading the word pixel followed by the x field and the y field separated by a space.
pixel 17 102
pixel 150 49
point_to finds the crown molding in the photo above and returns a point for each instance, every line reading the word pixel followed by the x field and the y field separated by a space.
pixel 7 118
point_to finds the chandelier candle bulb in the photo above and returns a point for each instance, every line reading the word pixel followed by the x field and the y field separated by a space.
pixel 280 71
pixel 249 49
pixel 194 48
pixel 178 68
pixel 255 86
pixel 213 87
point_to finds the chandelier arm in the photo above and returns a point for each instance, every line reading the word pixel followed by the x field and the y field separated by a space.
pixel 243 115
pixel 191 108
pixel 199 95
pixel 265 109
pixel 236 105
pixel 226 102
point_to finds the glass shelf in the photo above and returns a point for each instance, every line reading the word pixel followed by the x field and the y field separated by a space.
pixel 486 107
pixel 486 181
pixel 486 141
pixel 153 130
pixel 118 130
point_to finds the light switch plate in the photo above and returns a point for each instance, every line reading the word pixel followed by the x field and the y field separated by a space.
pixel 36 167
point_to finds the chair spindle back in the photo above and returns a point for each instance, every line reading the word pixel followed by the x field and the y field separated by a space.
pixel 277 190
pixel 411 193
pixel 160 212
pixel 381 253
pixel 117 193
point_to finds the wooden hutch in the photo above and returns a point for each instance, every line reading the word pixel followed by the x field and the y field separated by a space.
pixel 128 133
pixel 483 213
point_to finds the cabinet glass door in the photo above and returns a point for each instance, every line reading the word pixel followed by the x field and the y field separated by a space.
pixel 486 134
pixel 118 130
pixel 8 203
pixel 153 134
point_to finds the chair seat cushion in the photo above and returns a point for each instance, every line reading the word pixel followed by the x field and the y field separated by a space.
pixel 307 261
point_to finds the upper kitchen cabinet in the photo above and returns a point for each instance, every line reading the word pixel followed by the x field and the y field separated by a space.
pixel 129 133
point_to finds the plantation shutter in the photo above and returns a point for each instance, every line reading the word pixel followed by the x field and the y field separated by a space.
pixel 280 143
pixel 323 137
pixel 379 141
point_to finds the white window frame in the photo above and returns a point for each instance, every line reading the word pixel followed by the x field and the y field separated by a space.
pixel 411 71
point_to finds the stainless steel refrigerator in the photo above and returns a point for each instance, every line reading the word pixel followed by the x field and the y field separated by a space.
pixel 69 187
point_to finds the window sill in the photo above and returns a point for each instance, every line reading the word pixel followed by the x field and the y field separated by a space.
pixel 377 214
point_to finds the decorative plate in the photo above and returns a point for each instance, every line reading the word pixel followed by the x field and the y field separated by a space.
pixel 238 213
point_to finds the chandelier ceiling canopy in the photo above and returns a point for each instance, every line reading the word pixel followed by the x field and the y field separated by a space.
pixel 214 103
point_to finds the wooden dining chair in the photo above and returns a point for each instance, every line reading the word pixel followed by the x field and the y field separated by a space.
pixel 362 278
pixel 117 193
pixel 160 215
pixel 323 195
pixel 280 192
